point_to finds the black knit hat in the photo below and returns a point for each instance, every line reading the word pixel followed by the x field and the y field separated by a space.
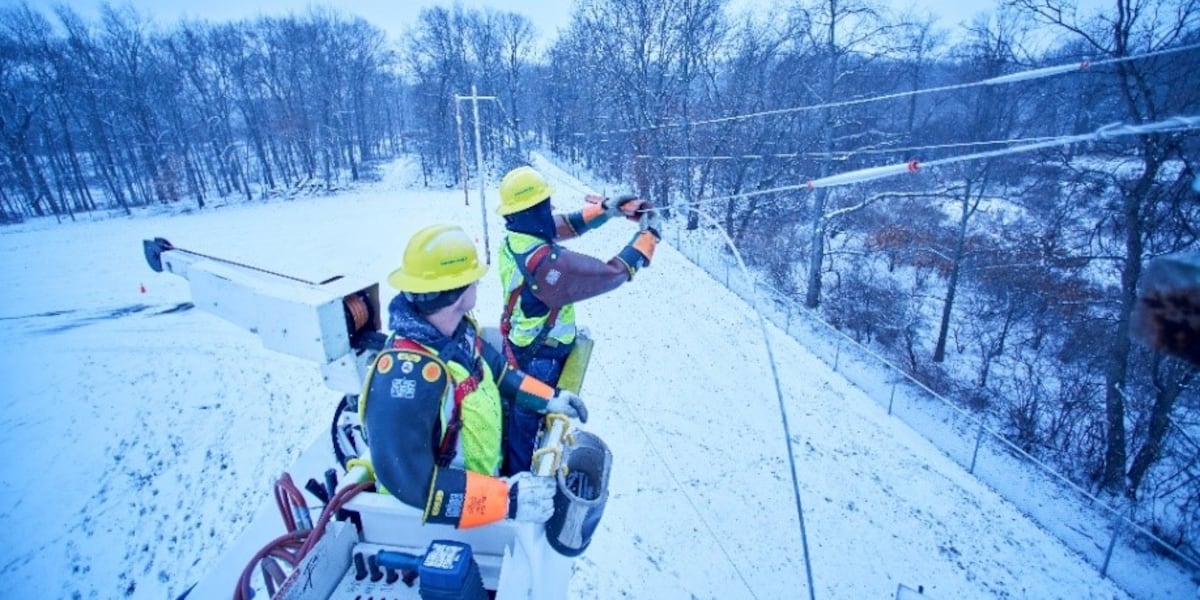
pixel 430 302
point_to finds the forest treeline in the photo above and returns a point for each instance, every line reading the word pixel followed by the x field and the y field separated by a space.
pixel 117 115
pixel 1004 282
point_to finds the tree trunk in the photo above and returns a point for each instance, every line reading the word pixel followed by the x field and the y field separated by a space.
pixel 195 178
pixel 816 251
pixel 25 181
pixel 1116 372
pixel 108 162
pixel 1170 380
pixel 939 350
pixel 58 171
pixel 960 245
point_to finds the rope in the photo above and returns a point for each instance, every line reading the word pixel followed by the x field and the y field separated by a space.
pixel 245 266
pixel 787 430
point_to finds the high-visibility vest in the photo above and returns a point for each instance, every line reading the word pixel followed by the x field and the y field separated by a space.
pixel 520 256
pixel 471 418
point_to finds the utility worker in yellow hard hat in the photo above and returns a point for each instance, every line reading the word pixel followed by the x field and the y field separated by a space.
pixel 431 404
pixel 542 281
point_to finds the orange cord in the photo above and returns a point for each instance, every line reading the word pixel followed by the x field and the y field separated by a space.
pixel 359 312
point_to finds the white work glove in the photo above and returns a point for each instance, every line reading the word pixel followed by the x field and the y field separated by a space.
pixel 567 403
pixel 530 498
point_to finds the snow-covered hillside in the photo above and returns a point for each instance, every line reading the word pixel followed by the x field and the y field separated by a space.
pixel 141 436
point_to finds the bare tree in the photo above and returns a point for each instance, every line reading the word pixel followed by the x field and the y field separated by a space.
pixel 849 35
pixel 515 49
pixel 990 52
pixel 1149 89
pixel 437 57
pixel 644 57
pixel 148 116
pixel 23 108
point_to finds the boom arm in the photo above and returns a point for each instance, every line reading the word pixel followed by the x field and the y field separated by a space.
pixel 334 323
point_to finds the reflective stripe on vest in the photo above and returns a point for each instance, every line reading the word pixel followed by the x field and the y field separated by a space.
pixel 479 422
pixel 524 329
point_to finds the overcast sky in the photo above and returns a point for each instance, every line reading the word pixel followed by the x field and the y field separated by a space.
pixel 390 15
pixel 394 16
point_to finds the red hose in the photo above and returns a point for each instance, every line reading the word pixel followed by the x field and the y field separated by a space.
pixel 290 539
pixel 335 504
pixel 288 499
pixel 294 545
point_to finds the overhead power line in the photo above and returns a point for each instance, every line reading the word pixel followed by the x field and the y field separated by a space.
pixel 840 153
pixel 1108 132
pixel 1020 76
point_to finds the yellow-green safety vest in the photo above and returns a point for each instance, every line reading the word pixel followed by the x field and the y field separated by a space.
pixel 524 329
pixel 478 445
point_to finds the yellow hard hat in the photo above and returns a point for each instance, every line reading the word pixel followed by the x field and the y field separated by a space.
pixel 438 258
pixel 521 188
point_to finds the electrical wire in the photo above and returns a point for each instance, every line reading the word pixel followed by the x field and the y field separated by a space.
pixel 783 414
pixel 1020 76
pixel 284 546
pixel 686 496
pixel 842 154
pixel 291 504
pixel 335 504
pixel 791 453
pixel 1106 133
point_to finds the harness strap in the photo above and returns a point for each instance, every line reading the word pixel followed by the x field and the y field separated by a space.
pixel 506 326
pixel 446 449
pixel 534 257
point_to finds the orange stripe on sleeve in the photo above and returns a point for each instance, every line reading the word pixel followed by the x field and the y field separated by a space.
pixel 535 387
pixel 645 243
pixel 591 211
pixel 487 501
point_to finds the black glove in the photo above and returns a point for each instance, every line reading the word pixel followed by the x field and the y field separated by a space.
pixel 652 221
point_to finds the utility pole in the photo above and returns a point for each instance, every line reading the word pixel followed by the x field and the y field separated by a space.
pixel 475 98
pixel 462 153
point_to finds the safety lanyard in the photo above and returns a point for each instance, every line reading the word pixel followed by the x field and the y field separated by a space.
pixel 462 389
pixel 535 256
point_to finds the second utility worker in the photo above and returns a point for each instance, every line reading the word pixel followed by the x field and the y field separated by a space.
pixel 542 281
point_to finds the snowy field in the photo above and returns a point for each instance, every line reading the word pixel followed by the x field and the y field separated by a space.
pixel 142 435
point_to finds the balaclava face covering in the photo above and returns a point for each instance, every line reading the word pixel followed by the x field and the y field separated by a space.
pixel 537 220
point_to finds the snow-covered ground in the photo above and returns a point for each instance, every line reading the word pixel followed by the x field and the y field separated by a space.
pixel 141 436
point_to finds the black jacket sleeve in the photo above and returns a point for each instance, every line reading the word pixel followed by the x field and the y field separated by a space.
pixel 402 417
